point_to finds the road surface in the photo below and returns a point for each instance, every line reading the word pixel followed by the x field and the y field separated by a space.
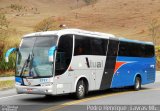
pixel 149 95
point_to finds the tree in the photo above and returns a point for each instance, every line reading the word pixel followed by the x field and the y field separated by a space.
pixel 89 2
pixel 154 30
pixel 77 3
pixel 3 22
pixel 3 32
pixel 46 24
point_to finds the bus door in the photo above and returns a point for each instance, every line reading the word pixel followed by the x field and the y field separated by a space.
pixel 64 76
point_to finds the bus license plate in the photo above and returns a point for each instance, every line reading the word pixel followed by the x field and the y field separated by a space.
pixel 29 90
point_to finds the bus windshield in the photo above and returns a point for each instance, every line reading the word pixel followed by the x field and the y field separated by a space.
pixel 32 57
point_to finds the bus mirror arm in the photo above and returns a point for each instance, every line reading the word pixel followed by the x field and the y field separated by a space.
pixel 10 51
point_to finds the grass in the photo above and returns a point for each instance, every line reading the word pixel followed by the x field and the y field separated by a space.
pixel 5 68
pixel 6 84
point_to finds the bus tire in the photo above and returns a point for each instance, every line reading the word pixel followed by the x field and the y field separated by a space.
pixel 80 89
pixel 48 96
pixel 137 84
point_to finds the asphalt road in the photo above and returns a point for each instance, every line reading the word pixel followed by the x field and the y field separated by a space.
pixel 149 95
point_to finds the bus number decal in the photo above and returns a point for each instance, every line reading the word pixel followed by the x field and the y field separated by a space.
pixel 42 80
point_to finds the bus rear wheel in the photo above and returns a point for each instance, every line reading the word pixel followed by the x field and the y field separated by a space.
pixel 137 84
pixel 80 89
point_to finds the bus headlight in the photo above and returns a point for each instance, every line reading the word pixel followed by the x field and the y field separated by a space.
pixel 47 84
pixel 17 83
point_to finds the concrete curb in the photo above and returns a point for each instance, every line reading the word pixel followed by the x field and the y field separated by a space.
pixel 157 76
pixel 6 78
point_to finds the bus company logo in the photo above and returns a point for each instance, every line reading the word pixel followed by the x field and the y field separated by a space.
pixel 94 64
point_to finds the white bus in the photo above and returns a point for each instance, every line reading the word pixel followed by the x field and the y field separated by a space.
pixel 78 61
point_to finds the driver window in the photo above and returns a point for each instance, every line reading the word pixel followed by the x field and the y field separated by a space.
pixel 64 54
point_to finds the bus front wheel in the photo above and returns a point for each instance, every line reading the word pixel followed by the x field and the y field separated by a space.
pixel 137 84
pixel 80 89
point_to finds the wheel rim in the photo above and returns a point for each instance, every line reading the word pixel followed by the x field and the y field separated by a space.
pixel 81 90
pixel 137 84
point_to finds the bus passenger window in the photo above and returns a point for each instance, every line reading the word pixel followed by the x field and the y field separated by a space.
pixel 135 50
pixel 79 50
pixel 99 46
pixel 82 45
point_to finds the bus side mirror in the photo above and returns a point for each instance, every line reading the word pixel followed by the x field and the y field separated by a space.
pixel 11 50
pixel 51 53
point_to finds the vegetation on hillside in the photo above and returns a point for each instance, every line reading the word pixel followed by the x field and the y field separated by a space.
pixel 158 57
pixel 16 7
pixel 5 43
pixel 46 24
pixel 3 34
pixel 89 2
pixel 154 30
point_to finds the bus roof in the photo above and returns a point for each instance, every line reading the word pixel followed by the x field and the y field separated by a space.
pixel 134 41
pixel 72 31
pixel 84 33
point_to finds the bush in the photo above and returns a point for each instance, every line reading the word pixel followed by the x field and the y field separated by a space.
pixel 16 7
pixel 46 24
pixel 4 34
pixel 154 30
pixel 7 66
pixel 89 2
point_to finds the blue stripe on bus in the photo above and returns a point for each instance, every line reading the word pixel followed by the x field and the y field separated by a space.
pixel 125 75
pixel 18 79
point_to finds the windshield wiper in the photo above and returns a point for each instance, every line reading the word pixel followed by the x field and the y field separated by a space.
pixel 25 65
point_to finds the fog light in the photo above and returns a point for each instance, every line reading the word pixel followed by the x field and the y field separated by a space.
pixel 47 91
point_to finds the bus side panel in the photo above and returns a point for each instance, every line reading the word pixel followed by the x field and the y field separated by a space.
pixel 93 74
pixel 128 67
pixel 109 65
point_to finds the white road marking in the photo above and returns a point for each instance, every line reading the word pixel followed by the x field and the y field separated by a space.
pixel 11 96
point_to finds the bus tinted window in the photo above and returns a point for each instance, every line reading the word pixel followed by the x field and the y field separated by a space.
pixel 82 46
pixel 64 54
pixel 135 50
pixel 149 52
pixel 99 46
pixel 113 44
pixel 90 46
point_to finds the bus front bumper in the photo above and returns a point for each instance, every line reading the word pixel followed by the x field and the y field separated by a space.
pixel 45 90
